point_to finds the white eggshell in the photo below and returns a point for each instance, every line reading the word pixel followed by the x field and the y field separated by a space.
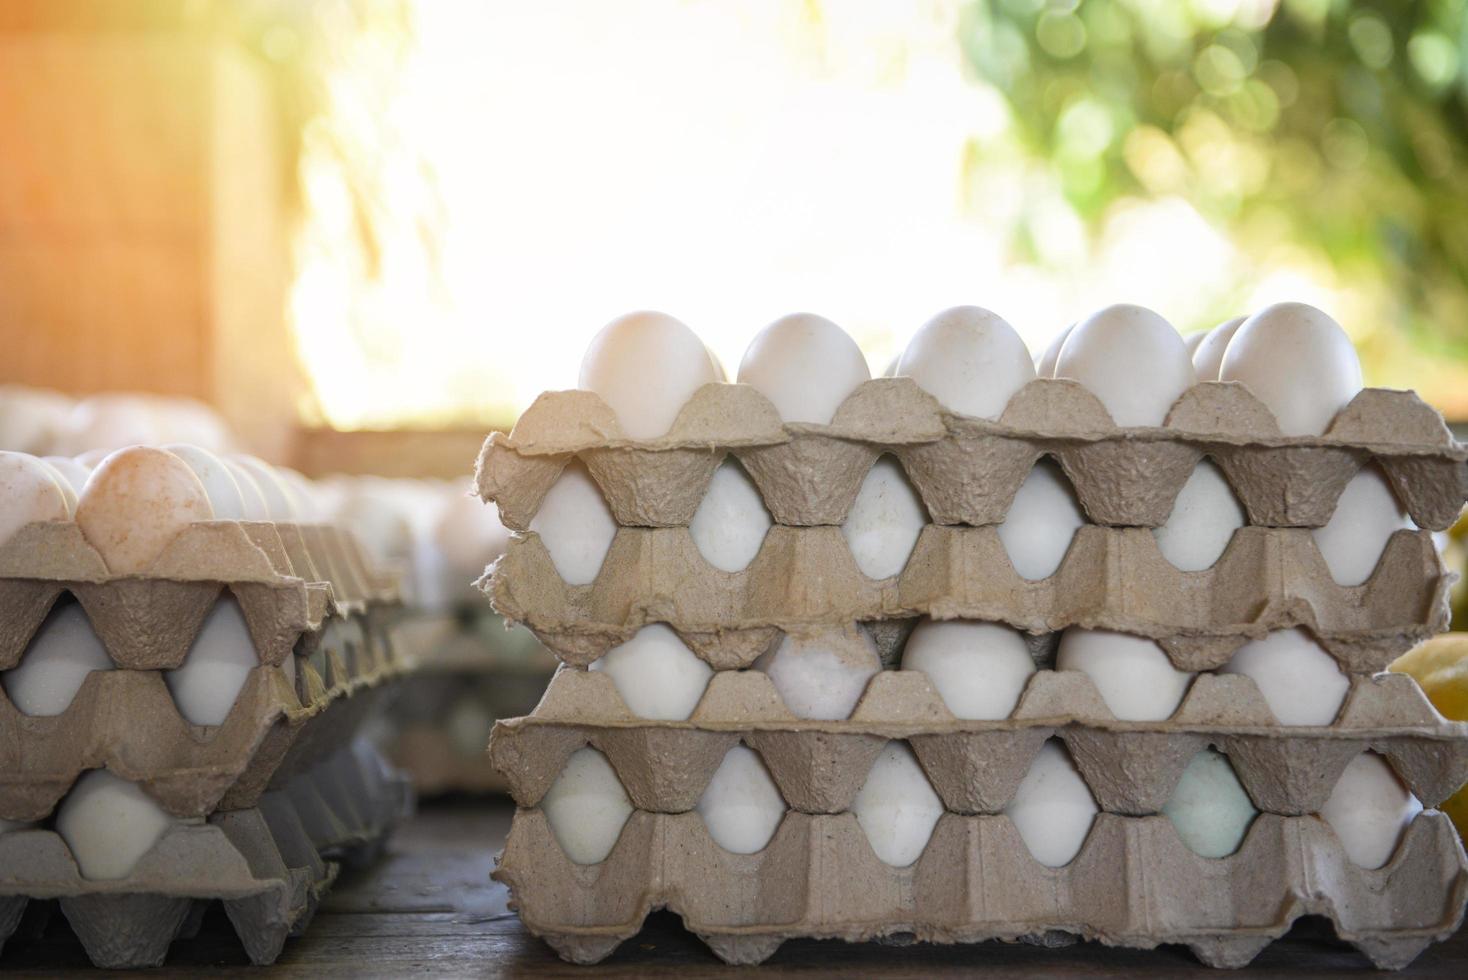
pixel 885 520
pixel 1045 366
pixel 469 534
pixel 1210 808
pixel 30 491
pixel 137 501
pixel 252 500
pixel 1208 355
pixel 805 365
pixel 1204 517
pixel 109 824
pixel 1298 362
pixel 821 677
pixel 575 525
pixel 32 420
pixel 1192 342
pixel 1131 359
pixel 219 483
pixel 1369 810
pixel 111 422
pixel 378 518
pixel 206 685
pixel 656 674
pixel 301 492
pixel 969 359
pixel 1053 808
pixel 468 727
pixel 279 502
pixel 1133 674
pixel 71 470
pixel 978 669
pixel 731 521
pixel 742 807
pixel 62 653
pixel 646 366
pixel 1301 683
pixel 1366 515
pixel 897 807
pixel 586 807
pixel 1042 520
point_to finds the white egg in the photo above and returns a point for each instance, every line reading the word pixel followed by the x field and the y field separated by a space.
pixel 742 807
pixel 469 534
pixel 1208 356
pixel 1042 520
pixel 646 366
pixel 71 470
pixel 219 483
pixel 1045 366
pixel 1192 342
pixel 137 501
pixel 32 420
pixel 1133 674
pixel 109 824
pixel 885 520
pixel 656 674
pixel 1204 517
pixel 1301 683
pixel 731 521
pixel 110 422
pixel 1298 362
pixel 821 678
pixel 30 491
pixel 969 359
pixel 468 726
pixel 379 519
pixel 1366 515
pixel 1053 808
pixel 575 525
pixel 1210 808
pixel 304 501
pixel 63 652
pixel 1131 359
pixel 805 365
pixel 252 501
pixel 978 669
pixel 897 807
pixel 586 807
pixel 279 502
pixel 1369 810
pixel 205 686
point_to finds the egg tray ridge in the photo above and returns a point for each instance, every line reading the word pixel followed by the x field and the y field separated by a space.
pixel 805 579
pixel 127 721
pixel 270 864
pixel 1134 883
pixel 975 766
pixel 967 470
pixel 287 578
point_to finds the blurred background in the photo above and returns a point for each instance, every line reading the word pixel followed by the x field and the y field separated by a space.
pixel 367 231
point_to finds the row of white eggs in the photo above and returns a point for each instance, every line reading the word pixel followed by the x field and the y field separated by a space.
pixel 980 670
pixel 1052 808
pixel 46 423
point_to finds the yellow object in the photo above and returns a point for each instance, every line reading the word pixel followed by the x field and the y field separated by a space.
pixel 1440 667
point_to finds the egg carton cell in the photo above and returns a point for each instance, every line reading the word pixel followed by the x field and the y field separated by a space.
pixel 1267 579
pixel 1133 883
pixel 967 470
pixel 128 722
pixel 975 766
pixel 268 865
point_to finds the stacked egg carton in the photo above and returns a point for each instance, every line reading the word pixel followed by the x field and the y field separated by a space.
pixel 1133 882
pixel 112 800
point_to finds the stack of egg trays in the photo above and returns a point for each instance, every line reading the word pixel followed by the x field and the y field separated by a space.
pixel 1134 882
pixel 241 787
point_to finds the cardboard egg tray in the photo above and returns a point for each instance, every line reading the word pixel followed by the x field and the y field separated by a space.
pixel 1113 578
pixel 967 470
pixel 268 864
pixel 292 583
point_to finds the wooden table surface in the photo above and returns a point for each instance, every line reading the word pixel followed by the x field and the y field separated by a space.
pixel 429 908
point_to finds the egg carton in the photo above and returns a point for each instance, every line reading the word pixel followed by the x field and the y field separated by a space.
pixel 287 578
pixel 976 766
pixel 1112 578
pixel 127 721
pixel 967 470
pixel 267 865
pixel 1134 883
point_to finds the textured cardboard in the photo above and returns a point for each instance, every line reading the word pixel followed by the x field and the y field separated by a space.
pixel 267 864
